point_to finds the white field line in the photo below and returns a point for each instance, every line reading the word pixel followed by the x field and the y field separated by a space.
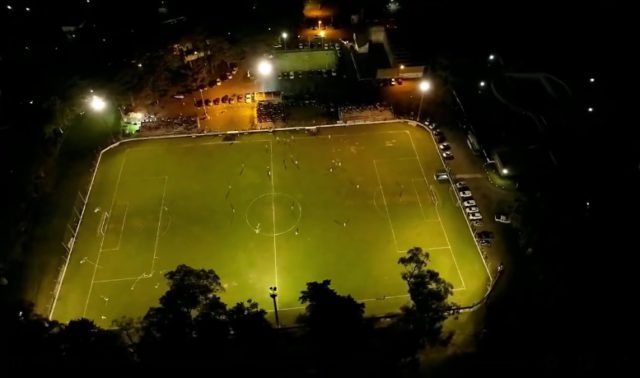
pixel 113 201
pixel 461 208
pixel 124 219
pixel 66 264
pixel 415 151
pixel 155 246
pixel 384 200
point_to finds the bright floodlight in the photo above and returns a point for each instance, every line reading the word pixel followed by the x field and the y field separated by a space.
pixel 265 68
pixel 97 104
pixel 590 109
pixel 284 35
pixel 482 83
pixel 402 66
pixel 505 171
pixel 492 57
pixel 322 34
pixel 425 85
pixel 591 80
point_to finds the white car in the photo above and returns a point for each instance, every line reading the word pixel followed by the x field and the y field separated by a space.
pixel 334 73
pixel 247 98
pixel 475 216
pixel 337 46
pixel 461 185
pixel 502 218
pixel 300 46
pixel 465 194
pixel 469 203
pixel 444 146
pixel 447 155
pixel 431 125
pixel 292 75
pixel 472 209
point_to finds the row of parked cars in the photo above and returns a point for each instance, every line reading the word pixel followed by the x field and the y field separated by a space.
pixel 301 74
pixel 226 99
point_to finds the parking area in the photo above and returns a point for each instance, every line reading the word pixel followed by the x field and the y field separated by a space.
pixel 476 193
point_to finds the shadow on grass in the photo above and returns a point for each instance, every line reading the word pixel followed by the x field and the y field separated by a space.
pixel 70 172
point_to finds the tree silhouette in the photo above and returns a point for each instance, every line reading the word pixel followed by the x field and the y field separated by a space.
pixel 190 317
pixel 429 293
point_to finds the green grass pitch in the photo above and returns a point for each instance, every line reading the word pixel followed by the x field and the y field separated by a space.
pixel 305 60
pixel 281 208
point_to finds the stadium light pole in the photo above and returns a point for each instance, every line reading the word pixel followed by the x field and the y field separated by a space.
pixel 203 105
pixel 97 103
pixel 273 293
pixel 424 86
pixel 284 39
pixel 265 68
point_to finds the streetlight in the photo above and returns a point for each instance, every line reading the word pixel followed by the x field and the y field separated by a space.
pixel 492 57
pixel 97 103
pixel 505 171
pixel 482 83
pixel 424 86
pixel 273 293
pixel 402 66
pixel 592 79
pixel 284 36
pixel 590 109
pixel 265 68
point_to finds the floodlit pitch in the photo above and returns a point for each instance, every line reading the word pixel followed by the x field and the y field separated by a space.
pixel 268 209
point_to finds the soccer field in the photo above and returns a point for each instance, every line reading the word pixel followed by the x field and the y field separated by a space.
pixel 281 208
pixel 305 60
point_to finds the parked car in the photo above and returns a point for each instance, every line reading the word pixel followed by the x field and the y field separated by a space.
pixel 477 223
pixel 225 99
pixel 300 45
pixel 482 235
pixel 465 194
pixel 207 102
pixel 461 185
pixel 216 101
pixel 229 75
pixel 485 242
pixel 178 96
pixel 469 203
pixel 218 81
pixel 399 81
pixel 444 146
pixel 447 155
pixel 472 209
pixel 502 218
pixel 232 99
pixel 432 126
pixel 240 98
pixel 337 46
pixel 440 139
pixel 292 75
pixel 334 73
pixel 392 82
pixel 198 103
pixel 475 216
pixel 248 98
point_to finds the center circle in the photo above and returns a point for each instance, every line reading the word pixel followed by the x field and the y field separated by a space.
pixel 263 209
